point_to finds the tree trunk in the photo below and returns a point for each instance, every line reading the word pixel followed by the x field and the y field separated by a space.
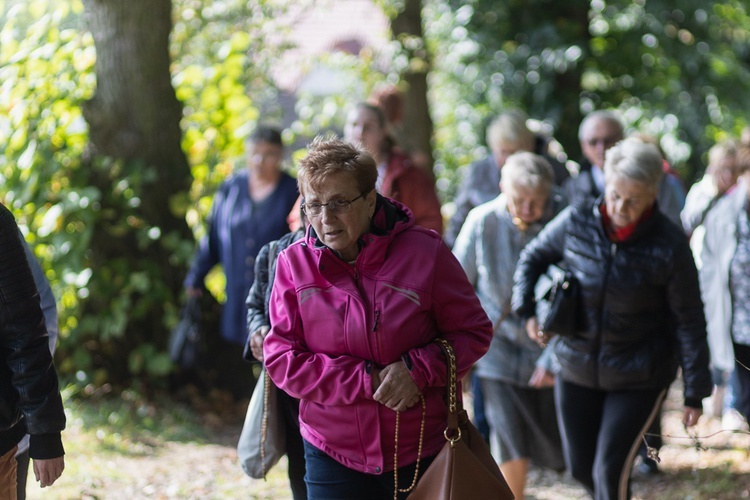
pixel 407 28
pixel 137 163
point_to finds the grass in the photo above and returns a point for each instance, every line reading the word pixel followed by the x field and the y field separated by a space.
pixel 127 447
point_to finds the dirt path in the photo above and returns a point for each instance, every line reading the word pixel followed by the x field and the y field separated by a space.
pixel 209 470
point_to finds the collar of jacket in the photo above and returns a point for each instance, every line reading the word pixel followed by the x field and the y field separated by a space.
pixel 640 230
pixel 390 218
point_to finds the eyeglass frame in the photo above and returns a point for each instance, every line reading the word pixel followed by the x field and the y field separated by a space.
pixel 344 206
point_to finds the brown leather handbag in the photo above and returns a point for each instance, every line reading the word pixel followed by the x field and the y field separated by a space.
pixel 464 468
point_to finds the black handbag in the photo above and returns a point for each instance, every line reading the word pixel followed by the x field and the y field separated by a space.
pixel 557 302
pixel 185 340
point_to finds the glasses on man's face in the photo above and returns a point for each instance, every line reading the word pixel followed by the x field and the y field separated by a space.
pixel 333 206
pixel 607 142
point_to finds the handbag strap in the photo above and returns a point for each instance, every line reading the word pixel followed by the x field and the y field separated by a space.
pixel 264 422
pixel 452 431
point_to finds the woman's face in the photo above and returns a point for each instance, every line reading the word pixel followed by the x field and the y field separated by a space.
pixel 526 203
pixel 362 125
pixel 341 231
pixel 626 200
pixel 264 158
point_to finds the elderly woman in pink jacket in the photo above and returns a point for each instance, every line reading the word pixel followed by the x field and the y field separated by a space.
pixel 355 308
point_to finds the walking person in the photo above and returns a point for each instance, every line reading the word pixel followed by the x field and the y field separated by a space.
pixel 355 308
pixel 248 211
pixel 514 374
pixel 641 317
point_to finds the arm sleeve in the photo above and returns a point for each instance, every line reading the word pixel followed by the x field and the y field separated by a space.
pixel 463 206
pixel 25 341
pixel 687 310
pixel 46 298
pixel 207 253
pixel 257 308
pixel 417 190
pixel 545 249
pixel 460 320
pixel 293 367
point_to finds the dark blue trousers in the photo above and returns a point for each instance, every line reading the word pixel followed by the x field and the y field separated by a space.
pixel 329 480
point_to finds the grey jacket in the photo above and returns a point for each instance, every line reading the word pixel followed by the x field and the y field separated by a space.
pixel 488 248
pixel 719 246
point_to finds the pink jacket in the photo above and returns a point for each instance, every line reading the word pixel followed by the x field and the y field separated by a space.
pixel 333 322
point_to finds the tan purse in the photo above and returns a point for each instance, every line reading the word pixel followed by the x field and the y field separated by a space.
pixel 464 468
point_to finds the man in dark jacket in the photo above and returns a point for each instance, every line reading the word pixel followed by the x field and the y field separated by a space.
pixel 30 399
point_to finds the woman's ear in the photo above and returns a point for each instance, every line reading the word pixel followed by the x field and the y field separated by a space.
pixel 371 198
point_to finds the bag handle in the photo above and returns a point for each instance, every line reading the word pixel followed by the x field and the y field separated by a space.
pixel 452 431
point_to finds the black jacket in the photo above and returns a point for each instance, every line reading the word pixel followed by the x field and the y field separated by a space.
pixel 641 311
pixel 260 293
pixel 29 395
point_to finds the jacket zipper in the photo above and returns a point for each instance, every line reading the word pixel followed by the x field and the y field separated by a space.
pixel 375 323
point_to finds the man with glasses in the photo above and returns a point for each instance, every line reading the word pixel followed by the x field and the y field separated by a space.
pixel 598 132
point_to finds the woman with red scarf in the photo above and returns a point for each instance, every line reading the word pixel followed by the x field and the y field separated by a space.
pixel 640 317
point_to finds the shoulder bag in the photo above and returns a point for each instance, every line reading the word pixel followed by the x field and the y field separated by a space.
pixel 464 468
pixel 556 293
pixel 185 340
pixel 263 438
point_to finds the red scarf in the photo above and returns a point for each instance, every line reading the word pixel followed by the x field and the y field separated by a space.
pixel 622 234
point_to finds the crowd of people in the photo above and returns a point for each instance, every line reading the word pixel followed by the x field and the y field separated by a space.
pixel 340 281
pixel 344 308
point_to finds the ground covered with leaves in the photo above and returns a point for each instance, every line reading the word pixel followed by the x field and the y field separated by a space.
pixel 128 448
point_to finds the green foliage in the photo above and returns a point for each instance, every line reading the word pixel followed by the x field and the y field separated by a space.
pixel 63 197
pixel 677 72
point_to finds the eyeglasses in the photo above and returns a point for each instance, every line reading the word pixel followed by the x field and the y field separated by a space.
pixel 334 206
pixel 607 142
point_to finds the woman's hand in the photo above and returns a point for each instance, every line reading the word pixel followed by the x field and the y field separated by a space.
pixel 541 378
pixel 256 341
pixel 535 334
pixel 690 416
pixel 396 389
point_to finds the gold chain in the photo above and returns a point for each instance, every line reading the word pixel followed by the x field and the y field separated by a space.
pixel 419 453
pixel 264 423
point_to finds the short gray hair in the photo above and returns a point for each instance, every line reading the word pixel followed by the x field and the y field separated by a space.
pixel 604 115
pixel 510 127
pixel 637 160
pixel 528 170
pixel 721 150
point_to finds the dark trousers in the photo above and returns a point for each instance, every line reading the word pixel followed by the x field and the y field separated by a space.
pixel 21 473
pixel 601 432
pixel 295 451
pixel 742 371
pixel 329 480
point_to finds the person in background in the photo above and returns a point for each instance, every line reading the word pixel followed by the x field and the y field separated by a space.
pixel 725 284
pixel 598 132
pixel 30 396
pixel 516 384
pixel 258 326
pixel 355 308
pixel 506 135
pixel 248 211
pixel 49 309
pixel 653 440
pixel 721 174
pixel 398 177
pixel 641 317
